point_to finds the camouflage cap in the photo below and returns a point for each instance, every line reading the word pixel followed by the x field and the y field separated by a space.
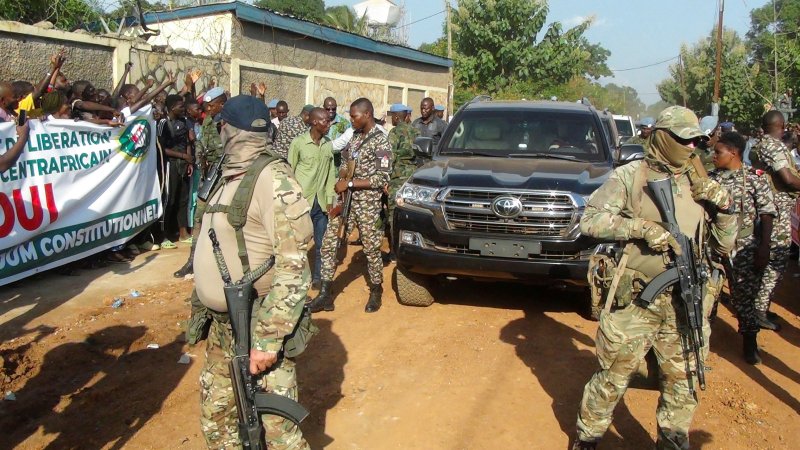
pixel 681 121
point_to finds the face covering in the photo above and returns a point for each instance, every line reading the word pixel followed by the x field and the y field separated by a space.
pixel 241 148
pixel 669 152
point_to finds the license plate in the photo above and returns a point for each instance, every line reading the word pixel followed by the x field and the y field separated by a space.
pixel 505 248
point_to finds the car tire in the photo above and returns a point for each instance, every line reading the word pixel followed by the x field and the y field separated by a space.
pixel 412 289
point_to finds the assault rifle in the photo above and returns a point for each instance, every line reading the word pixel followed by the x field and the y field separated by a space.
pixel 251 400
pixel 342 210
pixel 683 273
pixel 210 179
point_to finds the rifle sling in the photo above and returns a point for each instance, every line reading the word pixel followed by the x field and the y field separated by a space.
pixel 612 290
pixel 275 404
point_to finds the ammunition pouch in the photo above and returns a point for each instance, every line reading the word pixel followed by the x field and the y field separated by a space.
pixel 296 342
pixel 199 321
pixel 603 268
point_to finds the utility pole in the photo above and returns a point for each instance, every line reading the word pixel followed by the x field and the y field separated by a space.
pixel 683 81
pixel 775 45
pixel 718 74
pixel 451 84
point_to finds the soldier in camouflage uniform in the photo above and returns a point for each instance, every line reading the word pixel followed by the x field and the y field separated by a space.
pixel 291 127
pixel 772 156
pixel 401 138
pixel 277 224
pixel 209 151
pixel 645 130
pixel 369 149
pixel 755 208
pixel 622 209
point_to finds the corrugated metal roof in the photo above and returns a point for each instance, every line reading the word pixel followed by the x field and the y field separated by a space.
pixel 252 14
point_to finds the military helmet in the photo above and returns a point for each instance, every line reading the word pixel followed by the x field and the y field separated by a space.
pixel 681 121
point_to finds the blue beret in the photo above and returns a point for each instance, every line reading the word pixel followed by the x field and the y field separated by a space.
pixel 272 103
pixel 246 112
pixel 439 108
pixel 213 93
pixel 398 107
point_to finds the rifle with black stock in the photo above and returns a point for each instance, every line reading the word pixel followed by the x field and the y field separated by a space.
pixel 210 179
pixel 251 400
pixel 684 274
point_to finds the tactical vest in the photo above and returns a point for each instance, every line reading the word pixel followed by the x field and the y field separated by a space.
pixel 236 212
pixel 690 219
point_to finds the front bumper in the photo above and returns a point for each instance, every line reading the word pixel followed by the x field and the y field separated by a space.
pixel 435 250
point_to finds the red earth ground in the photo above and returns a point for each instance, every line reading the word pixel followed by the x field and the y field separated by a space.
pixel 489 366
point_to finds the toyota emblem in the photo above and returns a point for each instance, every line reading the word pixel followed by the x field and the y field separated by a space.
pixel 507 206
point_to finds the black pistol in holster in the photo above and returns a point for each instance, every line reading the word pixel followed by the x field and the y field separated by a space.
pixel 210 179
pixel 684 274
pixel 251 400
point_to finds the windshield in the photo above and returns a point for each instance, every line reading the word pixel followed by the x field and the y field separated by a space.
pixel 624 127
pixel 535 134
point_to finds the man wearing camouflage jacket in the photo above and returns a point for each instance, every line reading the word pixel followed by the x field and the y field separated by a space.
pixel 401 138
pixel 755 207
pixel 277 225
pixel 370 153
pixel 623 210
pixel 772 156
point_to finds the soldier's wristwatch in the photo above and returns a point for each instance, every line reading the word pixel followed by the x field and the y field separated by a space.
pixel 350 184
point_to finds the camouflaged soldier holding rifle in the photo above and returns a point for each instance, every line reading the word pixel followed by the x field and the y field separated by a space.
pixel 625 209
pixel 257 213
pixel 370 155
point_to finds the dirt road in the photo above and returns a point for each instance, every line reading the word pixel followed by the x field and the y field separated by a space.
pixel 489 366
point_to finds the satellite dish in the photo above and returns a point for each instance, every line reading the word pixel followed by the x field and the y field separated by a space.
pixel 379 12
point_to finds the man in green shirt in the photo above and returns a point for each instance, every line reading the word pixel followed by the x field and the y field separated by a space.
pixel 311 157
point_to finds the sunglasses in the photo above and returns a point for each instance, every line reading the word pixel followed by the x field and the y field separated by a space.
pixel 330 109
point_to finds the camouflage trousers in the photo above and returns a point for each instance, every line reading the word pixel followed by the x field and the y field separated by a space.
pixel 366 216
pixel 779 251
pixel 747 286
pixel 623 339
pixel 218 420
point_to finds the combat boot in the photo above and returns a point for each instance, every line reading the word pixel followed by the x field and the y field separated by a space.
pixel 374 302
pixel 583 445
pixel 767 324
pixel 324 300
pixel 751 348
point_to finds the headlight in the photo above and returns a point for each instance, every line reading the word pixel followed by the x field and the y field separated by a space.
pixel 414 194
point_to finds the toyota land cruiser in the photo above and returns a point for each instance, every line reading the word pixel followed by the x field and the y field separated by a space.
pixel 501 197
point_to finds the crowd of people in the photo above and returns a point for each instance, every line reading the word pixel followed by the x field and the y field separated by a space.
pixel 187 124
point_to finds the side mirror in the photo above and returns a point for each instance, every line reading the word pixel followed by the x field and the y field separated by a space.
pixel 630 152
pixel 423 146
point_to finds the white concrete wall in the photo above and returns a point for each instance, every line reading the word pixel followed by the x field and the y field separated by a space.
pixel 203 36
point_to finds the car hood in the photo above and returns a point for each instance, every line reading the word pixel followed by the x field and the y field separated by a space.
pixel 513 173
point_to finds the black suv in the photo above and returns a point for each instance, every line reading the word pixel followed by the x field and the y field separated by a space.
pixel 502 197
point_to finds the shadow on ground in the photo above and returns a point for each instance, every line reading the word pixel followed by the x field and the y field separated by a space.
pixel 320 374
pixel 99 381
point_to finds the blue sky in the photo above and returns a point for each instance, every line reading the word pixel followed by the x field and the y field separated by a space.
pixel 637 32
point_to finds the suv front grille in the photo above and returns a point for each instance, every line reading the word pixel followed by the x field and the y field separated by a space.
pixel 544 214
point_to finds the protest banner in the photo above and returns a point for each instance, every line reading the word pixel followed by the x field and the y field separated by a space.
pixel 77 189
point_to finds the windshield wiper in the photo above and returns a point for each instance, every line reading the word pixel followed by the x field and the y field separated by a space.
pixel 467 153
pixel 546 155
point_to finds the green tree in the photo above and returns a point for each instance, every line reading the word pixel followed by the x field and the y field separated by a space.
pixel 64 14
pixel 313 10
pixel 437 47
pixel 741 83
pixel 780 26
pixel 496 43
pixel 344 18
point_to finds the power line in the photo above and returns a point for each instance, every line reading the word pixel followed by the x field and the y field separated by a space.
pixel 424 18
pixel 644 67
